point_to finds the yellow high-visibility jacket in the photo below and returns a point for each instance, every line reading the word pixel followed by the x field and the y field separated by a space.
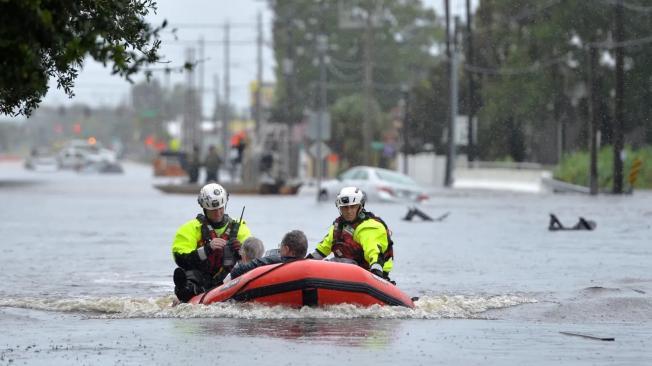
pixel 369 234
pixel 188 240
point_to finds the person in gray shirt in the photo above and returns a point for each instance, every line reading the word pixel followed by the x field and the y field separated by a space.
pixel 294 246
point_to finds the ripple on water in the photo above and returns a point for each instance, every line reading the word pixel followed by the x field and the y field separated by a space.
pixel 427 307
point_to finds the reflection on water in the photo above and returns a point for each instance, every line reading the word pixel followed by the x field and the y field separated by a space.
pixel 341 332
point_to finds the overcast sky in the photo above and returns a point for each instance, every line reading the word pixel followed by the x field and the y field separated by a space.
pixel 97 87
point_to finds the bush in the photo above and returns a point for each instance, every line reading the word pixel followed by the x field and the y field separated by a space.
pixel 574 167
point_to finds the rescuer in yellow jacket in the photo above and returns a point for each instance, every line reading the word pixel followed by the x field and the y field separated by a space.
pixel 357 236
pixel 201 246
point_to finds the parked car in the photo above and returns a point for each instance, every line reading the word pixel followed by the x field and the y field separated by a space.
pixel 41 159
pixel 379 184
pixel 83 156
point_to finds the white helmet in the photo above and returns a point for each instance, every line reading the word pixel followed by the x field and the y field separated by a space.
pixel 212 196
pixel 349 196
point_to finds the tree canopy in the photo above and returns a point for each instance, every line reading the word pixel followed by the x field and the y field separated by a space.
pixel 402 35
pixel 532 59
pixel 43 39
pixel 373 48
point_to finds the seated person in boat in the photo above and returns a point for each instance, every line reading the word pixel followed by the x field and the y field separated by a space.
pixel 357 236
pixel 294 246
pixel 207 247
pixel 251 249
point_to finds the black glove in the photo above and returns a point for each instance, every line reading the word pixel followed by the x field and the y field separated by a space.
pixel 236 245
pixel 207 249
pixel 315 255
pixel 377 270
pixel 236 249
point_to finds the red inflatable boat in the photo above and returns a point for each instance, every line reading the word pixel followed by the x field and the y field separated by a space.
pixel 308 283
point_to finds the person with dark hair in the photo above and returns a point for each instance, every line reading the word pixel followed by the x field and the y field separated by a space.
pixel 294 246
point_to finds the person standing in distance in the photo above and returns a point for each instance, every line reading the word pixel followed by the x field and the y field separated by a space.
pixel 200 245
pixel 212 164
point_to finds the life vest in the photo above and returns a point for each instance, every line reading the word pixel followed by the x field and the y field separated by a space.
pixel 344 246
pixel 207 234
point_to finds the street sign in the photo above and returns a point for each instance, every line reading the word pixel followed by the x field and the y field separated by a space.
pixel 325 150
pixel 313 124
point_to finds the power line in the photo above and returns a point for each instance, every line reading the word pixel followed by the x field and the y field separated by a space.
pixel 535 67
pixel 342 75
pixel 628 43
pixel 194 42
pixel 629 6
pixel 345 64
pixel 528 13
pixel 213 25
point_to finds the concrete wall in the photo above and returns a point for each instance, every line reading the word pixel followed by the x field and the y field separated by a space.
pixel 522 180
pixel 427 169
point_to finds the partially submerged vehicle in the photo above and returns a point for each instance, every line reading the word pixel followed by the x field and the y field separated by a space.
pixel 379 184
pixel 41 159
pixel 88 156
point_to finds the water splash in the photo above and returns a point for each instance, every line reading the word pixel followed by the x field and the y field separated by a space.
pixel 428 307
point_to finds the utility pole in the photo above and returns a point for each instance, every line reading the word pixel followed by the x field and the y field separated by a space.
pixel 166 79
pixel 200 83
pixel 322 46
pixel 288 72
pixel 559 120
pixel 453 101
pixel 593 120
pixel 619 107
pixel 216 83
pixel 448 180
pixel 226 118
pixel 471 103
pixel 189 129
pixel 259 74
pixel 368 91
pixel 405 93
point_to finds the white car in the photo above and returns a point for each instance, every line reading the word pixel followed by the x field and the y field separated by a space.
pixel 41 159
pixel 379 184
pixel 83 156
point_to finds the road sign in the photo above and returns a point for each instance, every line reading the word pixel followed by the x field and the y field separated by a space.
pixel 325 150
pixel 313 124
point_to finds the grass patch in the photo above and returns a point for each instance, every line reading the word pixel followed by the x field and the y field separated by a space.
pixel 574 167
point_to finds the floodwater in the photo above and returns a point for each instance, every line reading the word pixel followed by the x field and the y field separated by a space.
pixel 87 279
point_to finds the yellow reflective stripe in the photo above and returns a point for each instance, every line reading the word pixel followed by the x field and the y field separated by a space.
pixel 326 245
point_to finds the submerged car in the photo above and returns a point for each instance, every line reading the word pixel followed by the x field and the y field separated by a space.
pixel 41 159
pixel 85 156
pixel 379 184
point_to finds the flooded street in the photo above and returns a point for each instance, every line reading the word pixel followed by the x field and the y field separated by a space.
pixel 87 279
